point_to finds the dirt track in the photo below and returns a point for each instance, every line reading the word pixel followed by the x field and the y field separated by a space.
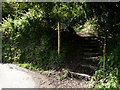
pixel 12 76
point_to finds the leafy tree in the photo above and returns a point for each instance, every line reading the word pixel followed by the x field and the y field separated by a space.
pixel 29 31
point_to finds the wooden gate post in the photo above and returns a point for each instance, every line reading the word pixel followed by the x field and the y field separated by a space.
pixel 59 38
pixel 104 53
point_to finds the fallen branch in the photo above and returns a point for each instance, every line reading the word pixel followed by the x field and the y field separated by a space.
pixel 80 75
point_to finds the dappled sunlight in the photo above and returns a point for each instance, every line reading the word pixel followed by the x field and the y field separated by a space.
pixel 82 38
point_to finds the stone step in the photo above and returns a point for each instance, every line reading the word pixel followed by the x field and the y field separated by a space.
pixel 86 69
pixel 87 40
pixel 89 45
pixel 95 58
pixel 87 61
pixel 90 42
pixel 90 50
pixel 90 54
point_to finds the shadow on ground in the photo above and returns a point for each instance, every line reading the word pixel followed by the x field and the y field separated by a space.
pixel 82 55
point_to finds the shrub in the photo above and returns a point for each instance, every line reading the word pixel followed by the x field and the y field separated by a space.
pixel 29 40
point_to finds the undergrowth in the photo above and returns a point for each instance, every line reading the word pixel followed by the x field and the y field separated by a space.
pixel 27 40
pixel 110 77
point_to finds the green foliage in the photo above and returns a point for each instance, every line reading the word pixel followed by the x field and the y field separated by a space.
pixel 91 26
pixel 29 35
pixel 28 40
pixel 106 79
pixel 109 78
pixel 28 66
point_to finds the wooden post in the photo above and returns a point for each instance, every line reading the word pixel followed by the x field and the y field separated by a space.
pixel 104 53
pixel 58 38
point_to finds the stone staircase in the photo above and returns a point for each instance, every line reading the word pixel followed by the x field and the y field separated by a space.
pixel 83 54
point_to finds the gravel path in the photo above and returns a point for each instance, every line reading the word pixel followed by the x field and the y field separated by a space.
pixel 12 76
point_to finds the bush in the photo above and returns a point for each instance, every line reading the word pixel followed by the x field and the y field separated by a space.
pixel 29 40
pixel 110 77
